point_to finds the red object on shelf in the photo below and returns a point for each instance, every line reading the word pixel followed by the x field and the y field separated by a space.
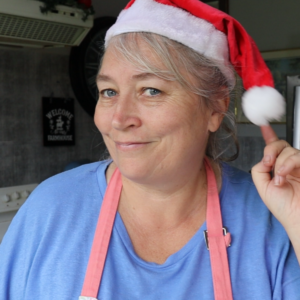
pixel 87 3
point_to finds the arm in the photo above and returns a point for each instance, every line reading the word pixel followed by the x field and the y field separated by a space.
pixel 280 192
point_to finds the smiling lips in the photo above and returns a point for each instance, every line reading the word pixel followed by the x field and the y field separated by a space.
pixel 130 145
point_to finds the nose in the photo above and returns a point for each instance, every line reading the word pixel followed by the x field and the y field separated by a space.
pixel 126 114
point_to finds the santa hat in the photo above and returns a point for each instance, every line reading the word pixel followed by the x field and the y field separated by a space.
pixel 215 35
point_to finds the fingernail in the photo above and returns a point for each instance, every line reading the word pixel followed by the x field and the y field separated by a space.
pixel 280 169
pixel 277 180
pixel 267 159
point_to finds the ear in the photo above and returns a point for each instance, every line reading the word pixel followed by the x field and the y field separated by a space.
pixel 216 117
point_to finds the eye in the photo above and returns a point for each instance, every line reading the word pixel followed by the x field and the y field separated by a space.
pixel 151 92
pixel 108 93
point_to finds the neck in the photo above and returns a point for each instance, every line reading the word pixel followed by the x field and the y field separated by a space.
pixel 160 221
pixel 164 206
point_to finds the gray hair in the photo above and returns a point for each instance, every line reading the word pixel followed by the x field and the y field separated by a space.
pixel 205 80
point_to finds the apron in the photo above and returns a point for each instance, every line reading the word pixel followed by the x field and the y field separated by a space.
pixel 216 237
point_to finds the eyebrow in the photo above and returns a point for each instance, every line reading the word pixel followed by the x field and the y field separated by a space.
pixel 101 77
pixel 105 78
pixel 144 76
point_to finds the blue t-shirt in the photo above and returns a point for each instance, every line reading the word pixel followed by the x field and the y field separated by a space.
pixel 45 252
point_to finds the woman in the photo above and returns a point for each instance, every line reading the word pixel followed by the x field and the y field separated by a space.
pixel 161 105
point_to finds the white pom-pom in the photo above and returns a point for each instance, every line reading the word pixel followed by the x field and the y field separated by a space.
pixel 263 104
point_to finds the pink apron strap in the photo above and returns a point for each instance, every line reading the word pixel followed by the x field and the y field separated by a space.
pixel 102 236
pixel 216 241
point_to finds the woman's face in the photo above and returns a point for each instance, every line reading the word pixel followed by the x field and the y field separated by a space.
pixel 153 128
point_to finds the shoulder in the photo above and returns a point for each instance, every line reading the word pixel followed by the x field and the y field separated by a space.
pixel 239 192
pixel 65 200
pixel 238 185
pixel 77 181
pixel 56 224
pixel 243 208
pixel 75 178
pixel 72 193
pixel 235 175
pixel 246 213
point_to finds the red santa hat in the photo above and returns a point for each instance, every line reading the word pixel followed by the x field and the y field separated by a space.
pixel 215 35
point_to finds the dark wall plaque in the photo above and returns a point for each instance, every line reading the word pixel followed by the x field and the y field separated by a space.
pixel 58 121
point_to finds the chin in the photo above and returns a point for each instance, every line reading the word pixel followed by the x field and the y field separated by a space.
pixel 137 170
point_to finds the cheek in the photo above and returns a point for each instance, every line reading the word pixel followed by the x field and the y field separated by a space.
pixel 102 119
pixel 185 120
pixel 174 127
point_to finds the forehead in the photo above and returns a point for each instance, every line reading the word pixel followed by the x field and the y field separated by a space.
pixel 136 53
pixel 117 69
pixel 154 54
pixel 115 65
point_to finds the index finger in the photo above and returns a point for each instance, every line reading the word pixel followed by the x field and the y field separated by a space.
pixel 268 134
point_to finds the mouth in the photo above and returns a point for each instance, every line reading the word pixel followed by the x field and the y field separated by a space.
pixel 130 145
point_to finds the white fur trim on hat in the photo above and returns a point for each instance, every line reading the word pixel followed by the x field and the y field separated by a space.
pixel 178 25
pixel 263 104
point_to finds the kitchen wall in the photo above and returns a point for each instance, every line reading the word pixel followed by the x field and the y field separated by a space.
pixel 252 144
pixel 108 7
pixel 274 25
pixel 26 75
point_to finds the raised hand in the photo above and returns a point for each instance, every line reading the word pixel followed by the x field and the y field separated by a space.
pixel 277 179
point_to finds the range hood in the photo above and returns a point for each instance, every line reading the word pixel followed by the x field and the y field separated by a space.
pixel 23 24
